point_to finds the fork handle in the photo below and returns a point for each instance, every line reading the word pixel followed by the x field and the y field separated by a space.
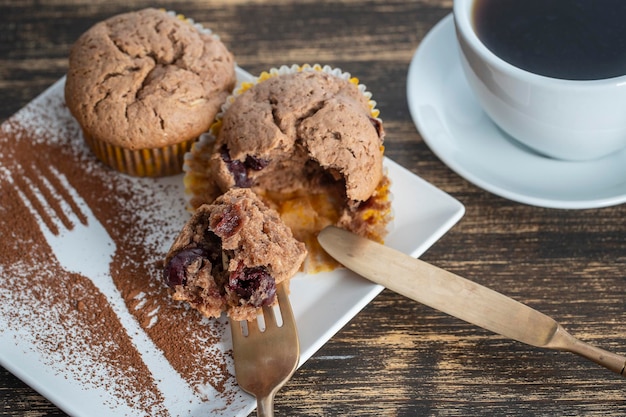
pixel 265 406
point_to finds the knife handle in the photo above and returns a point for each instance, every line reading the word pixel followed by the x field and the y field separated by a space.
pixel 564 341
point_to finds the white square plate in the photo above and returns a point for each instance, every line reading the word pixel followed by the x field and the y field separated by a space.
pixel 322 303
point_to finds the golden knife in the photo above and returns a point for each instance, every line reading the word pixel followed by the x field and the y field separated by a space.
pixel 457 296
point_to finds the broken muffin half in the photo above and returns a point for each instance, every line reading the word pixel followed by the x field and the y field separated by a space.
pixel 230 256
pixel 309 142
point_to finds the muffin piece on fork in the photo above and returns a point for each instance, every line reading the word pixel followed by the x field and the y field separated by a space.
pixel 231 255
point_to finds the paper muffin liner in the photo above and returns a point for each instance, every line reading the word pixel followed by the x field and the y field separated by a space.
pixel 373 220
pixel 189 20
pixel 147 162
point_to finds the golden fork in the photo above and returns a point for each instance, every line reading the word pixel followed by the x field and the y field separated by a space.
pixel 266 358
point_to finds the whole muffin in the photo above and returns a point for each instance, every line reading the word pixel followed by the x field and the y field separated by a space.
pixel 144 85
pixel 308 141
pixel 231 255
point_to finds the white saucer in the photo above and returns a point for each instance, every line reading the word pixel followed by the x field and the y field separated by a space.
pixel 464 138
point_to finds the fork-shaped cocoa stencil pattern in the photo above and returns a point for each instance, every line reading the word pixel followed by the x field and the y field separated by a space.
pixel 82 245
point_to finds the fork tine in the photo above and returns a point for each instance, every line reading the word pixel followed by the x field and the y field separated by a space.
pixel 67 194
pixel 236 329
pixel 269 317
pixel 253 327
pixel 34 199
pixel 284 305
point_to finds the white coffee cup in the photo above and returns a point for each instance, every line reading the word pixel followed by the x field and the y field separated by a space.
pixel 563 119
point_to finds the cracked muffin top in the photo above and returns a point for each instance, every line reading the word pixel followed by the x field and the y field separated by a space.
pixel 147 79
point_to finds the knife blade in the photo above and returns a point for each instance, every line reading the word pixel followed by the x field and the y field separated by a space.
pixel 457 296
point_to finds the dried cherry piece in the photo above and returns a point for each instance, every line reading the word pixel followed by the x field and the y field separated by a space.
pixel 378 126
pixel 177 269
pixel 239 169
pixel 229 223
pixel 257 164
pixel 254 285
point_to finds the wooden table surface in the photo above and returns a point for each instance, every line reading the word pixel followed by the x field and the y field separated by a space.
pixel 396 357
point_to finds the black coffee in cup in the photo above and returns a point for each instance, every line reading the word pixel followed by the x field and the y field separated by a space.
pixel 566 39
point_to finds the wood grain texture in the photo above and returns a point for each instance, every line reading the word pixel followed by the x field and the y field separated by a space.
pixel 397 357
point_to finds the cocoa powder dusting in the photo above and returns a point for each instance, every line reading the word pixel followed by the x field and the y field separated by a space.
pixel 61 317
